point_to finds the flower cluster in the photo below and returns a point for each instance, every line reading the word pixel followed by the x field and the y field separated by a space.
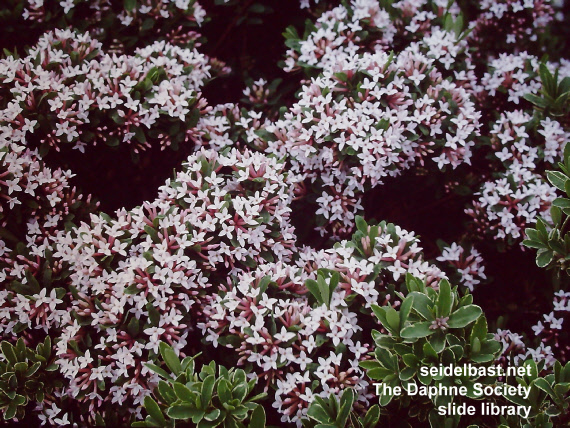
pixel 139 278
pixel 507 79
pixel 466 262
pixel 507 204
pixel 513 350
pixel 365 25
pixel 518 194
pixel 550 328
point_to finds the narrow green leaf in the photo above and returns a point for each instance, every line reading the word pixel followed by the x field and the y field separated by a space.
pixel 153 410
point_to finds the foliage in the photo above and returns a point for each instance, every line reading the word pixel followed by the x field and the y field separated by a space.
pixel 437 329
pixel 27 376
pixel 553 99
pixel 338 413
pixel 430 329
pixel 549 398
pixel 552 238
pixel 213 397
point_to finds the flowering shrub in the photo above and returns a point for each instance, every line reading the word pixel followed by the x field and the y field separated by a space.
pixel 283 337
pixel 261 250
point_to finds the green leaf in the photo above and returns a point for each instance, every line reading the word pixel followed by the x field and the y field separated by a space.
pixel 207 390
pixel 557 179
pixel 224 391
pixel 185 412
pixel 158 370
pixel 346 402
pixel 361 224
pixel 319 414
pixel 381 315
pixel 464 316
pixel 417 330
pixel 543 384
pixel 561 203
pixel 422 305
pixel 445 299
pixel 130 5
pixel 544 257
pixel 324 290
pixel 393 320
pixel 183 392
pixel 405 309
pixel 170 358
pixel 209 417
pixel 372 416
pixel 536 100
pixel 313 288
pixel 479 329
pixel 153 410
pixel 8 351
pixel 166 392
pixel 258 419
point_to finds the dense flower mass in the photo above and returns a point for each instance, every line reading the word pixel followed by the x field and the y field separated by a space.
pixel 261 260
pixel 512 22
pixel 282 335
pixel 366 25
pixel 67 92
pixel 122 26
pixel 368 118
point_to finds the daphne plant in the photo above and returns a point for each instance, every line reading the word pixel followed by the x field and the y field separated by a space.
pixel 157 85
pixel 26 376
pixel 213 397
pixel 431 328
